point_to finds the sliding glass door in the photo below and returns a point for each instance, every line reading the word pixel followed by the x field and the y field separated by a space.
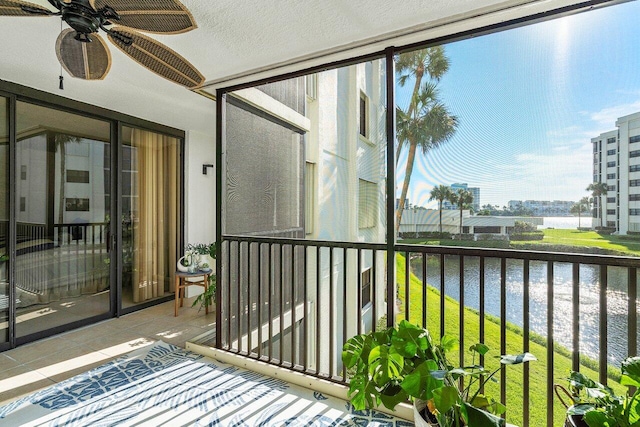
pixel 150 176
pixel 63 213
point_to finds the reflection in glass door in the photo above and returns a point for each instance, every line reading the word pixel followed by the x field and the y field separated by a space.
pixel 150 214
pixel 63 213
pixel 4 220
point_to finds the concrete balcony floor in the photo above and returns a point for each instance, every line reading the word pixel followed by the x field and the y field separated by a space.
pixel 43 363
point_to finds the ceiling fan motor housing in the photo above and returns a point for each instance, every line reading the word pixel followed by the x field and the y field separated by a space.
pixel 81 17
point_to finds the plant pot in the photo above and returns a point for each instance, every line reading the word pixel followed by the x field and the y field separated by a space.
pixel 181 267
pixel 418 419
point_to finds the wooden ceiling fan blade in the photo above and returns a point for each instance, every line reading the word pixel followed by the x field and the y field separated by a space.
pixel 15 8
pixel 157 57
pixel 160 16
pixel 87 61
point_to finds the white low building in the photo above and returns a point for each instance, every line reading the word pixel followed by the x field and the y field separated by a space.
pixel 428 220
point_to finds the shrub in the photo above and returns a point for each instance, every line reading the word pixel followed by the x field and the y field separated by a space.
pixel 535 235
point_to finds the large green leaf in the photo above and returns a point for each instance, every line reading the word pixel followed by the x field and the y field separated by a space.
pixel 598 418
pixel 445 397
pixel 420 383
pixel 362 393
pixel 516 359
pixel 478 418
pixel 385 364
pixel 631 371
pixel 479 348
pixel 352 350
pixel 392 395
pixel 449 343
pixel 410 339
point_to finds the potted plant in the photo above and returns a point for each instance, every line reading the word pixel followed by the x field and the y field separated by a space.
pixel 208 297
pixel 203 252
pixel 402 363
pixel 597 405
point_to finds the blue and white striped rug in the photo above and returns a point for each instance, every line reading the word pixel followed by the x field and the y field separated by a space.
pixel 167 385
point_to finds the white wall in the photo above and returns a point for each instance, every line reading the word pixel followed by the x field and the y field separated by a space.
pixel 200 191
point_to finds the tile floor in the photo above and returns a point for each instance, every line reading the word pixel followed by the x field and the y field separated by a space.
pixel 42 363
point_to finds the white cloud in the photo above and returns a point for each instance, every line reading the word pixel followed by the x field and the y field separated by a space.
pixel 605 119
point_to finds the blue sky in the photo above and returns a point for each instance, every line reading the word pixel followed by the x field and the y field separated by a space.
pixel 528 102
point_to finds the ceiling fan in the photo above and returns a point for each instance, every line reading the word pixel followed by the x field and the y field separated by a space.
pixel 84 54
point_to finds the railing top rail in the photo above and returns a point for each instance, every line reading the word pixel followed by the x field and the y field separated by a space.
pixel 305 242
pixel 596 259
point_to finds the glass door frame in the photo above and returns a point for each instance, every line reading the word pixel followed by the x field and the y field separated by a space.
pixel 15 93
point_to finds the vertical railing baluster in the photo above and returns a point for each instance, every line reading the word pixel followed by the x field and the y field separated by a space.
pixel 259 302
pixel 331 314
pixel 249 304
pixel 481 306
pixel 442 293
pixel 575 359
pixel 461 313
pixel 503 326
pixel 407 275
pixel 424 290
pixel 525 338
pixel 317 322
pixel 550 353
pixel 374 291
pixel 270 285
pixel 293 308
pixel 359 290
pixel 602 364
pixel 282 302
pixel 345 319
pixel 632 314
pixel 305 319
pixel 239 296
pixel 229 257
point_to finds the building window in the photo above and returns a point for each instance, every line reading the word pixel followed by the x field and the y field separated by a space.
pixel 634 139
pixel 611 140
pixel 634 183
pixel 23 204
pixel 367 204
pixel 366 287
pixel 310 195
pixel 611 199
pixel 612 187
pixel 634 212
pixel 78 176
pixel 634 168
pixel 611 152
pixel 23 172
pixel 364 115
pixel 312 86
pixel 635 153
pixel 76 205
pixel 611 164
pixel 611 176
pixel 611 211
pixel 611 224
pixel 634 197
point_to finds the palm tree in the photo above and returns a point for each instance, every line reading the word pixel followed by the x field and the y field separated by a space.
pixel 463 199
pixel 579 208
pixel 427 127
pixel 440 193
pixel 598 189
pixel 416 64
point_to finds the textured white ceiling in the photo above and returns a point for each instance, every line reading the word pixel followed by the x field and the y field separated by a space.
pixel 236 37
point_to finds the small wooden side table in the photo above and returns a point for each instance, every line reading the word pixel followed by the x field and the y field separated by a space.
pixel 182 283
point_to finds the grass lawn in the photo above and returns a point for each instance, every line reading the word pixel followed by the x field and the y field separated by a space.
pixel 538 370
pixel 555 240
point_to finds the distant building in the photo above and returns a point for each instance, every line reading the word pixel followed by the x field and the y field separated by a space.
pixel 543 207
pixel 475 206
pixel 616 162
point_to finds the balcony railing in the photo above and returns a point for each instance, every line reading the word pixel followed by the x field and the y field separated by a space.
pixel 293 303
